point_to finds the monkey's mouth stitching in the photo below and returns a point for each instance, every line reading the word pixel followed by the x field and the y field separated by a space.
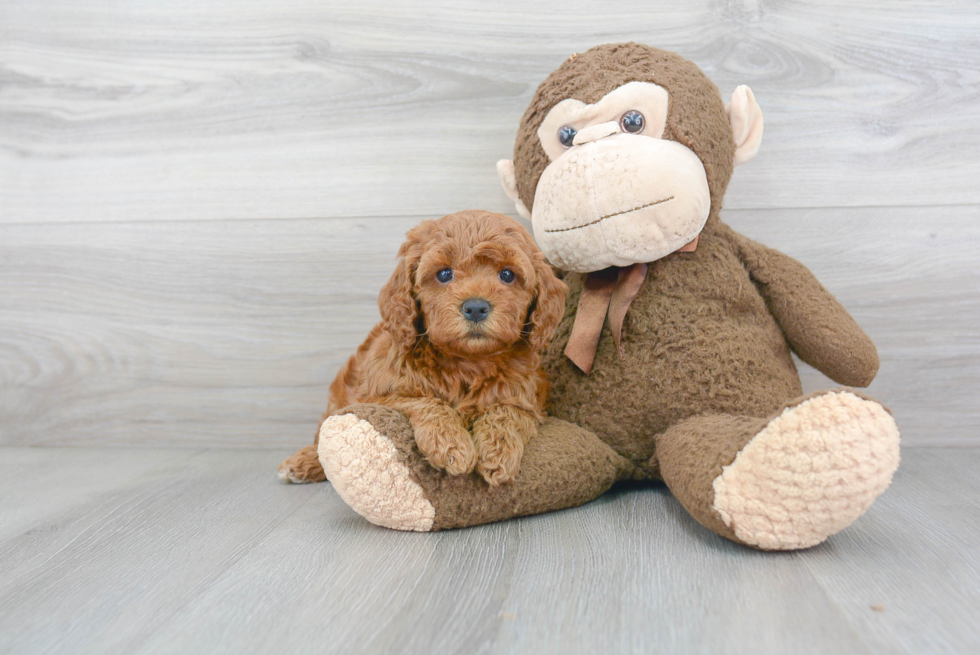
pixel 602 218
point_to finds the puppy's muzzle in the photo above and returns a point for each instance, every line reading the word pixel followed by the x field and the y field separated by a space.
pixel 475 310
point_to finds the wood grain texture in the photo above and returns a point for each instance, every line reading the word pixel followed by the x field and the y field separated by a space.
pixel 181 110
pixel 39 483
pixel 212 554
pixel 103 574
pixel 928 524
pixel 228 333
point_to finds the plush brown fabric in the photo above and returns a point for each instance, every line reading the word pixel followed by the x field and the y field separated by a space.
pixel 701 337
pixel 696 117
pixel 563 466
pixel 698 339
pixel 692 454
pixel 593 306
pixel 820 331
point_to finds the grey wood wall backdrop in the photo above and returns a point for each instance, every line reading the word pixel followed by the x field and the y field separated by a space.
pixel 199 200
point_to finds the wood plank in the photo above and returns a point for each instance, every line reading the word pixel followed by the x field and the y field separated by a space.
pixel 213 554
pixel 191 334
pixel 638 574
pixel 332 580
pixel 38 483
pixel 628 573
pixel 328 109
pixel 915 556
pixel 109 572
pixel 228 334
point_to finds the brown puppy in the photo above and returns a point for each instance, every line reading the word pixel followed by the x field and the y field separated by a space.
pixel 464 318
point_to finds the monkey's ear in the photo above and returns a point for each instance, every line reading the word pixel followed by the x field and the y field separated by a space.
pixel 746 119
pixel 505 169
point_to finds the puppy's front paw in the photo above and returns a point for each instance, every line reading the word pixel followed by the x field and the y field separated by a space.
pixel 500 435
pixel 447 447
pixel 499 457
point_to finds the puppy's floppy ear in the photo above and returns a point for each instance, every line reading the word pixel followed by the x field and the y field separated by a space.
pixel 397 301
pixel 548 305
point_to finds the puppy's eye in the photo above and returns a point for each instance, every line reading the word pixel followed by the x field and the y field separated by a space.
pixel 632 122
pixel 567 135
pixel 445 275
pixel 507 276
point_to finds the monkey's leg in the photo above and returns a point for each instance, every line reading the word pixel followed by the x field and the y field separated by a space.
pixel 788 481
pixel 370 455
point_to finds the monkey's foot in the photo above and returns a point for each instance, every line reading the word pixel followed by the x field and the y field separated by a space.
pixel 368 472
pixel 809 473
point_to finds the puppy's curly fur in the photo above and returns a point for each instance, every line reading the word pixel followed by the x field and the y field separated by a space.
pixel 473 390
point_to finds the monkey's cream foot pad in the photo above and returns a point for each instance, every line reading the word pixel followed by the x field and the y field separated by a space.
pixel 809 473
pixel 365 470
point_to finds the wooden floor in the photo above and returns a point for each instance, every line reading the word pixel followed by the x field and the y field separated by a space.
pixel 204 551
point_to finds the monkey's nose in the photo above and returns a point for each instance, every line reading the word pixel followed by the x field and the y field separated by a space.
pixel 475 309
pixel 595 132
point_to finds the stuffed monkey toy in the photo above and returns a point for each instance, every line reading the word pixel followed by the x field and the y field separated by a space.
pixel 673 360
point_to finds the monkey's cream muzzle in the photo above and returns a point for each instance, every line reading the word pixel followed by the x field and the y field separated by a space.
pixel 618 200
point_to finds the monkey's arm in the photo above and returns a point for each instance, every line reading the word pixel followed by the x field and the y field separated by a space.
pixel 817 327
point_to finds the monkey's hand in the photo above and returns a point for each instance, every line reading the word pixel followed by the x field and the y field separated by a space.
pixel 817 327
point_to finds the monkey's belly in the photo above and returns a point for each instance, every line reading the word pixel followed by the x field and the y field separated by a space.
pixel 688 365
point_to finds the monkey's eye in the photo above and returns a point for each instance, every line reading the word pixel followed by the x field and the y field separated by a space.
pixel 566 135
pixel 632 122
pixel 445 275
pixel 507 276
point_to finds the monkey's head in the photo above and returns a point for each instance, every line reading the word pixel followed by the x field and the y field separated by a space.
pixel 624 155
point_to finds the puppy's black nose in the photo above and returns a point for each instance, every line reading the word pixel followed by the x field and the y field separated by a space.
pixel 475 309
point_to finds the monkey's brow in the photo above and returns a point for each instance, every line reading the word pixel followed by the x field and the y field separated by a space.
pixel 602 218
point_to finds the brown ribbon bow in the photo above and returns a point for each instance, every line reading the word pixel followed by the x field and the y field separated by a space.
pixel 609 291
